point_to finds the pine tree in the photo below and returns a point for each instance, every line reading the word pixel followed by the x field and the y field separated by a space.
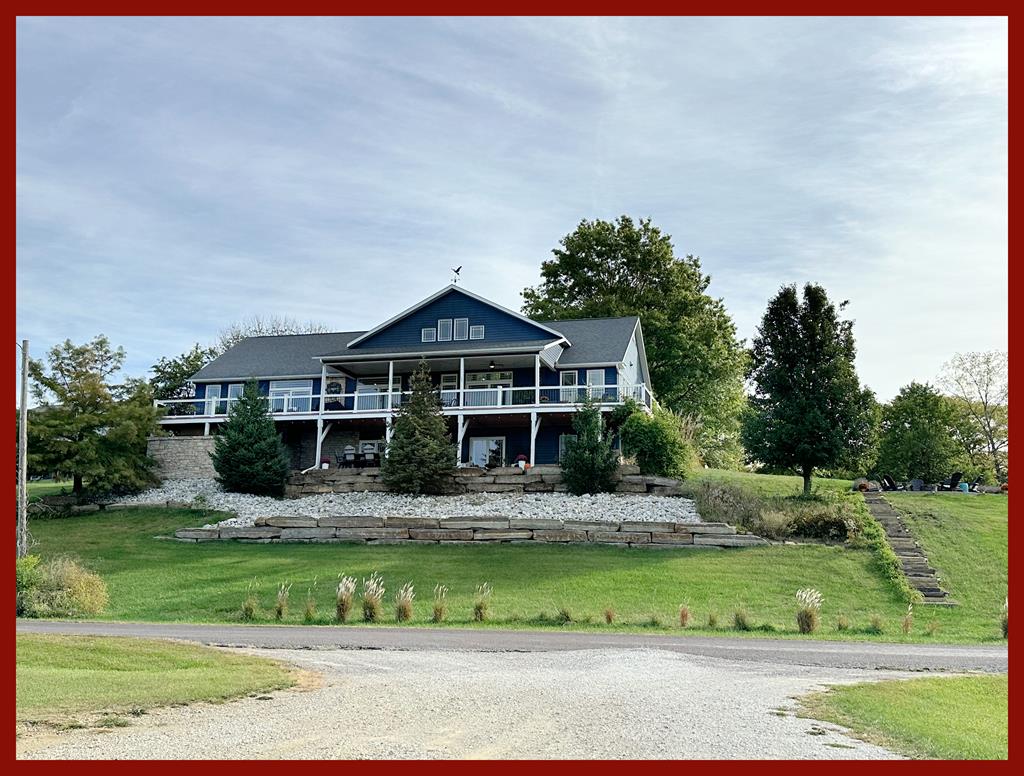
pixel 589 463
pixel 249 455
pixel 421 456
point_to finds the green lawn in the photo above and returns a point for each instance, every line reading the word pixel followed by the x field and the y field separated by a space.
pixel 769 484
pixel 955 718
pixel 965 538
pixel 39 488
pixel 61 678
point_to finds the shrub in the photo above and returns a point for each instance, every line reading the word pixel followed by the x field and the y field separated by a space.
pixel 421 455
pixel 842 623
pixel 609 616
pixel 684 615
pixel 932 627
pixel 564 615
pixel 58 587
pixel 403 602
pixel 712 620
pixel 907 623
pixel 373 594
pixel 809 601
pixel 248 454
pixel 1004 619
pixel 589 464
pixel 343 595
pixel 654 621
pixel 482 603
pixel 281 605
pixel 251 604
pixel 740 620
pixel 309 610
pixel 661 443
pixel 877 624
pixel 440 603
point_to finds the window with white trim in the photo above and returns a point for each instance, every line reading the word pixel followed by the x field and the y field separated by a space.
pixel 428 335
pixel 291 395
pixel 476 332
pixel 461 328
pixel 444 330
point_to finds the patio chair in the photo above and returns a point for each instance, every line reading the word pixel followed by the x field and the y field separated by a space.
pixel 916 485
pixel 888 483
pixel 953 482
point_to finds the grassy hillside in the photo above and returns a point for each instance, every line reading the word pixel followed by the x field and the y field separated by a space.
pixel 158 579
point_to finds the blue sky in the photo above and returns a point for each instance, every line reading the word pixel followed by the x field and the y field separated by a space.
pixel 176 175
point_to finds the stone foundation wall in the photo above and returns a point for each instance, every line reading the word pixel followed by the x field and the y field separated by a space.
pixel 182 457
pixel 508 479
pixel 475 530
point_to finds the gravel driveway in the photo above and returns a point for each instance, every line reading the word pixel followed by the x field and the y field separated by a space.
pixel 447 704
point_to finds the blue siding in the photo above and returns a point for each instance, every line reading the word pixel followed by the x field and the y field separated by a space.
pixel 499 326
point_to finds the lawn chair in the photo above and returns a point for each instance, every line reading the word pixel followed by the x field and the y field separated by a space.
pixel 975 487
pixel 888 483
pixel 953 482
pixel 346 458
pixel 916 485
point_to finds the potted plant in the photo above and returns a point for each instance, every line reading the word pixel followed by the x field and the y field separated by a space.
pixel 522 461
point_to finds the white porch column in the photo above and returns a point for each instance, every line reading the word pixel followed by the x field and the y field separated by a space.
pixel 391 381
pixel 206 429
pixel 462 433
pixel 536 383
pixel 462 395
pixel 319 440
pixel 534 428
pixel 323 393
pixel 388 431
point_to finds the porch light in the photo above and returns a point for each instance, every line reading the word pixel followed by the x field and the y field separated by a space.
pixel 490 366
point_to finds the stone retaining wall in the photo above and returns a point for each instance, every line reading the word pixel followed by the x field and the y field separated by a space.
pixel 475 530
pixel 507 479
pixel 182 457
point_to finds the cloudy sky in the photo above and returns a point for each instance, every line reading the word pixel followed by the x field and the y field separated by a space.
pixel 176 175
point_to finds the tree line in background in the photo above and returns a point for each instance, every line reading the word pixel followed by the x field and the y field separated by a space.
pixel 792 402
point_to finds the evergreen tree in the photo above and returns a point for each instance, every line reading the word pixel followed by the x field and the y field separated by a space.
pixel 808 410
pixel 421 456
pixel 248 454
pixel 589 463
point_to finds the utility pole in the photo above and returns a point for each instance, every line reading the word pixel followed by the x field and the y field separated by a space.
pixel 22 542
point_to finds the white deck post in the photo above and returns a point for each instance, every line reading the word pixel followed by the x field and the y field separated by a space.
pixel 323 390
pixel 462 395
pixel 391 382
pixel 536 384
pixel 319 440
pixel 388 431
pixel 462 433
pixel 534 427
pixel 206 428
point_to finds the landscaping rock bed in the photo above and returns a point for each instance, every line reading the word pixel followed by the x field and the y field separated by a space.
pixel 612 507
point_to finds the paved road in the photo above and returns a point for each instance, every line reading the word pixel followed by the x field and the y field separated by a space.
pixel 830 654
pixel 424 704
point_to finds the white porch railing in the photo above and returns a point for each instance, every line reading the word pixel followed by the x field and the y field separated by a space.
pixel 362 402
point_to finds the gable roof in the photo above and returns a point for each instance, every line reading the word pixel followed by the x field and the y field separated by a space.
pixel 284 355
pixel 595 340
pixel 447 290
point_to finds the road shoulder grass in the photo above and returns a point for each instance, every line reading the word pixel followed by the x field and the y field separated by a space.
pixel 958 718
pixel 75 681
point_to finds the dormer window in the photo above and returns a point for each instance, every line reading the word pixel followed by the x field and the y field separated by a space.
pixel 476 332
pixel 428 335
pixel 444 330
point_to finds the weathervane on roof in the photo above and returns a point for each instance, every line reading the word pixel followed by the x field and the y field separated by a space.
pixel 455 274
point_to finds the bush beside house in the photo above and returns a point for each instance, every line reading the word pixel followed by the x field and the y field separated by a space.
pixel 249 455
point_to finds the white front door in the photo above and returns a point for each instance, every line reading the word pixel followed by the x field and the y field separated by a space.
pixel 485 450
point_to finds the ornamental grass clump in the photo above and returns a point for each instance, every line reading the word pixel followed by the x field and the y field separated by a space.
pixel 684 615
pixel 740 620
pixel 842 623
pixel 876 624
pixel 343 596
pixel 440 603
pixel 809 609
pixel 1004 620
pixel 281 605
pixel 251 604
pixel 712 620
pixel 564 615
pixel 907 623
pixel 373 594
pixel 482 603
pixel 309 610
pixel 609 616
pixel 403 602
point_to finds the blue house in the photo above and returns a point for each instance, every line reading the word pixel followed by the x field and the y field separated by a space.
pixel 508 384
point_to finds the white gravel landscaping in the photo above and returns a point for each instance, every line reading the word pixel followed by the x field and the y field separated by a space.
pixel 562 506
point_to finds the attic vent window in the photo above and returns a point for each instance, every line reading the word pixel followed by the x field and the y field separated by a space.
pixel 428 335
pixel 476 332
pixel 461 328
pixel 444 330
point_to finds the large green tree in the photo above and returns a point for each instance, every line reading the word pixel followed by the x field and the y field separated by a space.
pixel 421 455
pixel 979 381
pixel 920 435
pixel 808 410
pixel 622 267
pixel 87 426
pixel 172 377
pixel 249 455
